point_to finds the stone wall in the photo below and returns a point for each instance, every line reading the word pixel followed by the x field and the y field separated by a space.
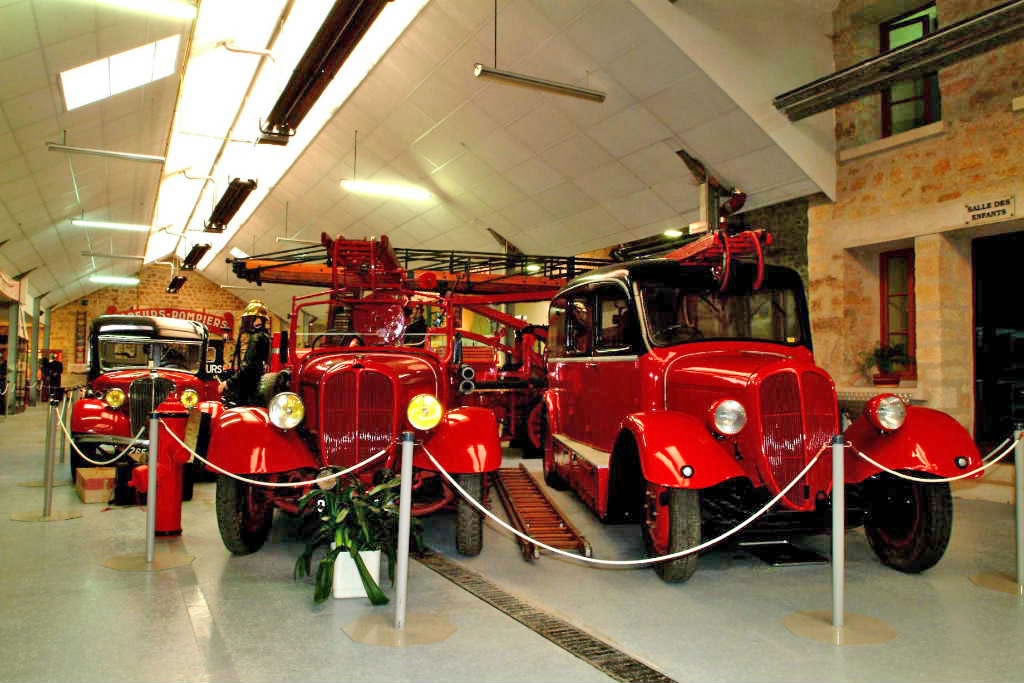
pixel 913 195
pixel 787 223
pixel 198 294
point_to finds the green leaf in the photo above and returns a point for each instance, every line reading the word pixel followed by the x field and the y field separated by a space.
pixel 373 590
pixel 340 517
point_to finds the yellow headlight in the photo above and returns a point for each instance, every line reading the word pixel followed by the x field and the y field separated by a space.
pixel 114 397
pixel 424 411
pixel 286 410
pixel 190 398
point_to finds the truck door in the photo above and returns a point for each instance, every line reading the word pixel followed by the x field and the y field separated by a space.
pixel 613 373
pixel 571 337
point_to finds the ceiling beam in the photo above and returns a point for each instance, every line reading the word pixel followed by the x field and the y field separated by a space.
pixel 954 43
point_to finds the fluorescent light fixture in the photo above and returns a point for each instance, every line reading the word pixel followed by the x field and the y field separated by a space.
pixel 513 78
pixel 176 283
pixel 175 9
pixel 229 204
pixel 238 253
pixel 390 190
pixel 221 76
pixel 197 252
pixel 673 233
pixel 119 73
pixel 533 268
pixel 113 280
pixel 107 225
pixel 100 254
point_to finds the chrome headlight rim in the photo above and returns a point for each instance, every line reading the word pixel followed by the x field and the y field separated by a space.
pixel 189 398
pixel 887 412
pixel 115 397
pixel 286 410
pixel 728 417
pixel 424 412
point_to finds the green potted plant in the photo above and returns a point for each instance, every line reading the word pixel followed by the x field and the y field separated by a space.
pixel 358 523
pixel 883 358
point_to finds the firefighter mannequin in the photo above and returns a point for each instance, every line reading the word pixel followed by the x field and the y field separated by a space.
pixel 243 387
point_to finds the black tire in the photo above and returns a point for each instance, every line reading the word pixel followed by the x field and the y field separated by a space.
pixel 908 524
pixel 683 509
pixel 243 516
pixel 469 524
pixel 525 442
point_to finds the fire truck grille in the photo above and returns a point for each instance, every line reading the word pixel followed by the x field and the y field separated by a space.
pixel 144 395
pixel 794 427
pixel 358 410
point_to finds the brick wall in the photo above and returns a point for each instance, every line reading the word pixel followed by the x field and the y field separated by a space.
pixel 198 294
pixel 913 196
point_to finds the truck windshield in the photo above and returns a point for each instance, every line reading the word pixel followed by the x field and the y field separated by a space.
pixel 117 354
pixel 675 315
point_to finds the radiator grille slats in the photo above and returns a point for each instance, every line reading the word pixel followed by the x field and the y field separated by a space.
pixel 358 410
pixel 143 397
pixel 798 417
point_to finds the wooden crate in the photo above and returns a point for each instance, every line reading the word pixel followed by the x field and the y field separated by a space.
pixel 95 484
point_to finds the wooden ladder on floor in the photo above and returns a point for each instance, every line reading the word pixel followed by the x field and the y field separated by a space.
pixel 531 511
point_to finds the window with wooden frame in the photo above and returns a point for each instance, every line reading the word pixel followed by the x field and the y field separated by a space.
pixel 915 102
pixel 896 274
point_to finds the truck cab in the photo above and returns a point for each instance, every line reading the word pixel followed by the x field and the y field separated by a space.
pixel 684 405
pixel 135 363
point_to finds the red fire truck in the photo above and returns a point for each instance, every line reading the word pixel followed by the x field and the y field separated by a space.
pixel 725 407
pixel 360 366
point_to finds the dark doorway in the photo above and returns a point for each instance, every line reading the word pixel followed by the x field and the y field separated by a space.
pixel 998 336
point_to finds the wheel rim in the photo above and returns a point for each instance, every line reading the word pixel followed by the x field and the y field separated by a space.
pixel 657 519
pixel 897 513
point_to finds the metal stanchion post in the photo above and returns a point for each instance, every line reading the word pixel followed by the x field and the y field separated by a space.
pixel 1018 483
pixel 151 461
pixel 65 416
pixel 838 529
pixel 404 523
pixel 839 628
pixel 48 460
pixel 48 466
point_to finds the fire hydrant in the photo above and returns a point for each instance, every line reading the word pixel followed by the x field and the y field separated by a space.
pixel 170 473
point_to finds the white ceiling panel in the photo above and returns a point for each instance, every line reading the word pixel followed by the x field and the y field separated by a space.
pixel 611 181
pixel 629 130
pixel 19 29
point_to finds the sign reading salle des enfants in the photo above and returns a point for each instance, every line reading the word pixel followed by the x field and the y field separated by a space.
pixel 989 210
pixel 221 323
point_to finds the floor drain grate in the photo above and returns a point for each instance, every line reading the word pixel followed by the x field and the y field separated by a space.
pixel 573 640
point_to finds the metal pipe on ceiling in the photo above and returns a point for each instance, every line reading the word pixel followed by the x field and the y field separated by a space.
pixel 109 153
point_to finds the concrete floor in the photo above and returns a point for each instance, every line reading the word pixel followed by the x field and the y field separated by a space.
pixel 64 617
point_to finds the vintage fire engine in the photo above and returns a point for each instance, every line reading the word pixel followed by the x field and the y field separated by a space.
pixel 135 363
pixel 363 366
pixel 725 406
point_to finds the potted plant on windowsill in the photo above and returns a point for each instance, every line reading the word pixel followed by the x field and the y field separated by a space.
pixel 359 523
pixel 883 358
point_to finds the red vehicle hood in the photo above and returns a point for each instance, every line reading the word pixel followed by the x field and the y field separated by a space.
pixel 727 368
pixel 124 378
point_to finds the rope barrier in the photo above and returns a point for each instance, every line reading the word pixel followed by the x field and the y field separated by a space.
pixel 937 480
pixel 104 463
pixel 273 484
pixel 625 563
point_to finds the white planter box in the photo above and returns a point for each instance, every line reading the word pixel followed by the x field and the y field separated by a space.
pixel 347 583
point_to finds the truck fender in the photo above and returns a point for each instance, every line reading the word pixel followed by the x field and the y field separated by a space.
pixel 464 442
pixel 929 441
pixel 667 441
pixel 243 441
pixel 554 418
pixel 93 416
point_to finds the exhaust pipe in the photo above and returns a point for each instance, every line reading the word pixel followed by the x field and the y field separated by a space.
pixel 467 372
pixel 467 386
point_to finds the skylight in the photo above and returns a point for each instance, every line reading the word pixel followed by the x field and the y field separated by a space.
pixel 119 73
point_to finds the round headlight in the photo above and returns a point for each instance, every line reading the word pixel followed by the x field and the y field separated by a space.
pixel 190 398
pixel 114 397
pixel 728 417
pixel 286 410
pixel 887 412
pixel 424 411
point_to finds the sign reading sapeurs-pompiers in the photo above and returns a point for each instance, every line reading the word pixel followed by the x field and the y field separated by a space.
pixel 222 323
